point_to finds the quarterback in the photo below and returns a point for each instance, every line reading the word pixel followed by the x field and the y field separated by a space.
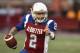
pixel 39 29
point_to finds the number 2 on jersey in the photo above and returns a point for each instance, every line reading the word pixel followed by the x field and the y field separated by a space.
pixel 33 40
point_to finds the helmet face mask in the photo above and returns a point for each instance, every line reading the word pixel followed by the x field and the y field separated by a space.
pixel 39 12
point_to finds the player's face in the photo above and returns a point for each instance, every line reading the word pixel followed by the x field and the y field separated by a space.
pixel 40 15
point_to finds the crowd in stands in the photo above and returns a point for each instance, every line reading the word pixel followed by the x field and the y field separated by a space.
pixel 65 12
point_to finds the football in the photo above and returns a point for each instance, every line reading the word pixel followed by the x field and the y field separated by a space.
pixel 10 41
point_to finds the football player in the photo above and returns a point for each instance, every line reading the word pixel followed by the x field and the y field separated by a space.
pixel 38 29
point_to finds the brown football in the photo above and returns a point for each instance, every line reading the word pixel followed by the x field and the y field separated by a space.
pixel 10 41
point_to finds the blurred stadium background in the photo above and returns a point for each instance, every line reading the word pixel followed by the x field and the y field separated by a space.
pixel 65 12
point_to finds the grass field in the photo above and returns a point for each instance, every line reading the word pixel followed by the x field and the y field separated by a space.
pixel 64 43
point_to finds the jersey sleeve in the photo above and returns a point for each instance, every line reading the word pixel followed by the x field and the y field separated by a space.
pixel 52 25
pixel 20 26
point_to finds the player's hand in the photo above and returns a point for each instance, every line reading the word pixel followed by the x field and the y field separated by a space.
pixel 7 36
pixel 46 30
pixel 48 33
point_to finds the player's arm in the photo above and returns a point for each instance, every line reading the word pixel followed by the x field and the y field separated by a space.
pixel 10 39
pixel 13 31
pixel 52 36
pixel 49 33
pixel 51 28
pixel 17 28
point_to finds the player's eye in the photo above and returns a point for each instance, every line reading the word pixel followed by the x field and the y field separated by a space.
pixel 39 13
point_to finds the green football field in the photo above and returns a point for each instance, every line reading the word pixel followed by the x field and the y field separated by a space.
pixel 64 43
